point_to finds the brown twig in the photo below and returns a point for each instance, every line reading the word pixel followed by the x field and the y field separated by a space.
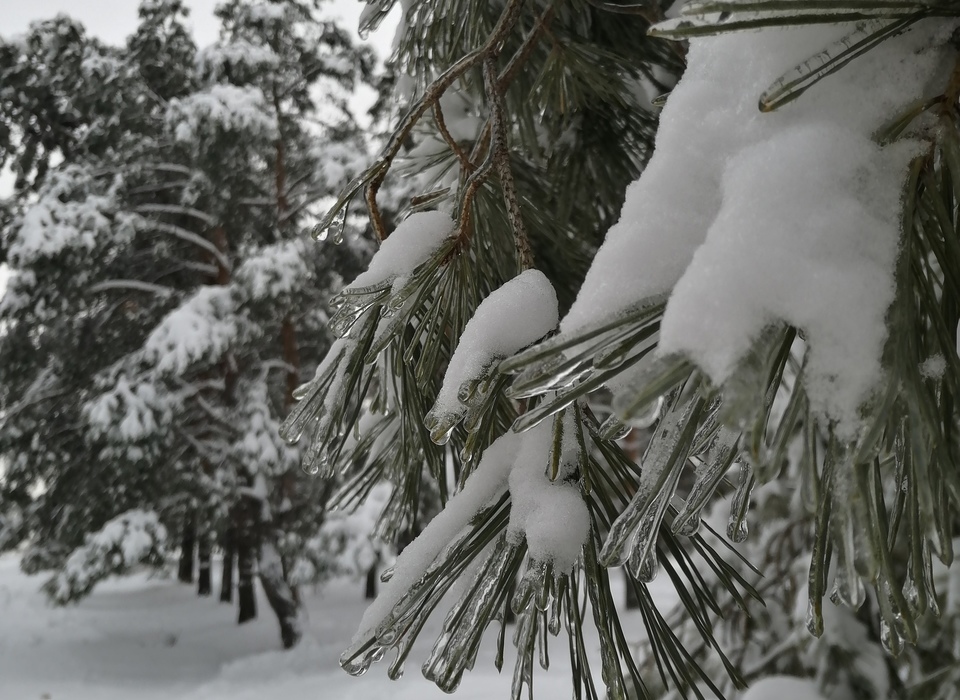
pixel 433 92
pixel 501 157
pixel 464 159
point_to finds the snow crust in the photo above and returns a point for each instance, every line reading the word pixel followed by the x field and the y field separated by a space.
pixel 410 244
pixel 517 314
pixel 751 218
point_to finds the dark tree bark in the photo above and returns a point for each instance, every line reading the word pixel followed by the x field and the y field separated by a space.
pixel 281 596
pixel 187 545
pixel 246 568
pixel 226 576
pixel 204 586
pixel 370 591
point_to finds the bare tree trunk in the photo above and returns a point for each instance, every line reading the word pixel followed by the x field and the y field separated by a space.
pixel 204 586
pixel 226 575
pixel 246 569
pixel 187 545
pixel 370 590
pixel 281 596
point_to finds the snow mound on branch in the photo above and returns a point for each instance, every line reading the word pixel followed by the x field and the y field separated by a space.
pixel 67 216
pixel 225 107
pixel 753 218
pixel 274 270
pixel 132 538
pixel 517 314
pixel 202 328
pixel 217 59
pixel 550 515
pixel 129 411
pixel 411 243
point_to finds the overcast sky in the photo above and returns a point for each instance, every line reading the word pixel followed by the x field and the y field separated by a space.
pixel 113 20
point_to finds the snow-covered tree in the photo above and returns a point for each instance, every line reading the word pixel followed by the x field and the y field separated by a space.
pixel 162 301
pixel 776 297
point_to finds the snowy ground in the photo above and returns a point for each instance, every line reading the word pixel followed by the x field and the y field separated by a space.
pixel 141 638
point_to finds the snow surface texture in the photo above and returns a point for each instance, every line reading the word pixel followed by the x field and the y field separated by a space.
pixel 142 638
pixel 410 244
pixel 751 218
pixel 517 314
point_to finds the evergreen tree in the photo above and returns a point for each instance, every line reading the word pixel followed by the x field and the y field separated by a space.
pixel 162 302
pixel 776 299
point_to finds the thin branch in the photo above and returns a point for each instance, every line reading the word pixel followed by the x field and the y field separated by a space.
pixel 137 285
pixel 190 237
pixel 433 92
pixel 465 163
pixel 502 160
pixel 176 209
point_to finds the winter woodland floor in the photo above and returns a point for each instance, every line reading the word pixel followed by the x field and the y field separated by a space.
pixel 141 638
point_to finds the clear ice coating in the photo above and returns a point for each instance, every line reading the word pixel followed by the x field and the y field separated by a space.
pixel 663 462
pixel 737 526
pixel 708 476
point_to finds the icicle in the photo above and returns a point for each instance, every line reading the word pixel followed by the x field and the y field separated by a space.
pixel 663 462
pixel 708 477
pixel 737 529
pixel 463 627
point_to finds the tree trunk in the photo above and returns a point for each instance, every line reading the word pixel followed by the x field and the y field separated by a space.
pixel 204 587
pixel 187 545
pixel 370 592
pixel 246 566
pixel 226 575
pixel 281 596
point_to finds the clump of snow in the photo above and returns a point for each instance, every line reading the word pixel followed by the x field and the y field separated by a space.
pixel 69 214
pixel 411 243
pixel 224 107
pixel 214 60
pixel 260 449
pixel 551 515
pixel 203 327
pixel 517 314
pixel 751 218
pixel 132 538
pixel 129 411
pixel 933 367
pixel 274 270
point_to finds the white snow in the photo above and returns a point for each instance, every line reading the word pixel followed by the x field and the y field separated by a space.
pixel 783 688
pixel 551 515
pixel 410 244
pixel 142 638
pixel 121 544
pixel 67 215
pixel 225 107
pixel 129 411
pixel 517 314
pixel 750 218
pixel 203 327
pixel 213 59
pixel 274 270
